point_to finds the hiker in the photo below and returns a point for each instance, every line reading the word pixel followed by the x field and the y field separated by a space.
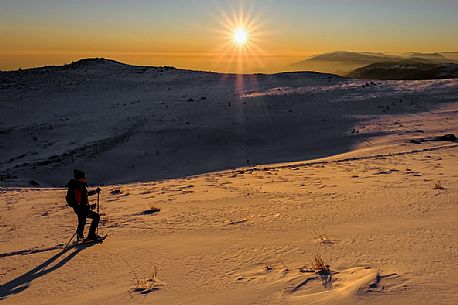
pixel 77 198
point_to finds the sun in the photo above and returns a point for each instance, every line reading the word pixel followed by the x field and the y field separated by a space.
pixel 240 37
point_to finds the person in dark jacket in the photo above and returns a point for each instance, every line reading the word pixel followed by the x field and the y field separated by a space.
pixel 77 189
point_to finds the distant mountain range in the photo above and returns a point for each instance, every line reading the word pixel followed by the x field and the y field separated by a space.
pixel 340 63
pixel 412 65
pixel 438 57
pixel 406 69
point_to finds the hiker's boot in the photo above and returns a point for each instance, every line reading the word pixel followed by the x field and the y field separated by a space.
pixel 92 237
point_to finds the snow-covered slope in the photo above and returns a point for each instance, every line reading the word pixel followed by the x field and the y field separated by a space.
pixel 121 123
pixel 382 215
pixel 383 218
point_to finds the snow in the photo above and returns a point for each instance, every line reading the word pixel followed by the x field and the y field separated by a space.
pixel 156 123
pixel 270 172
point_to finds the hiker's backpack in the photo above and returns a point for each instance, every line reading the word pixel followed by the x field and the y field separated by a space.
pixel 73 196
pixel 70 197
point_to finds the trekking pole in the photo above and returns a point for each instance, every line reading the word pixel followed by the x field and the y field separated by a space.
pixel 98 205
pixel 69 241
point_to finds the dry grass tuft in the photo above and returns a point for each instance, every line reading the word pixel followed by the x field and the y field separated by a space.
pixel 319 265
pixel 286 269
pixel 321 236
pixel 323 270
pixel 438 186
pixel 240 220
pixel 146 285
pixel 154 209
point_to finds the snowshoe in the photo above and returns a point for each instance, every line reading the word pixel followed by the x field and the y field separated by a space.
pixel 93 239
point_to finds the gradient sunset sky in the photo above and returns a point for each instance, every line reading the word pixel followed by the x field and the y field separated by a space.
pixel 197 34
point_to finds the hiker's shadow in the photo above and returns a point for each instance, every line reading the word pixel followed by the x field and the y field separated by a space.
pixel 23 282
